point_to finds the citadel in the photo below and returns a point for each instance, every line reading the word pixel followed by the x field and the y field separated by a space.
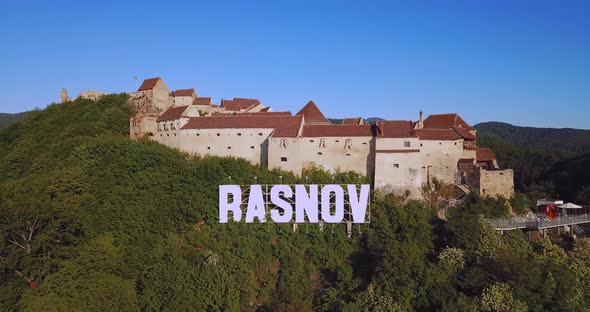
pixel 401 156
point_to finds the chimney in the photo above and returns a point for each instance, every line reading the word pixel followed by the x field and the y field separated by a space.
pixel 421 121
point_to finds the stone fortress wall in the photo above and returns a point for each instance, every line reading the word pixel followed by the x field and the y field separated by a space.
pixel 400 155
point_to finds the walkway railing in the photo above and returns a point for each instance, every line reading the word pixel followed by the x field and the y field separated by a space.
pixel 538 224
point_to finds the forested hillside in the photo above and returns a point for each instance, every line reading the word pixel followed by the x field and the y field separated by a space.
pixel 570 141
pixel 8 119
pixel 547 163
pixel 92 221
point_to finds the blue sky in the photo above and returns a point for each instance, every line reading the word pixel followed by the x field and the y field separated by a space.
pixel 523 62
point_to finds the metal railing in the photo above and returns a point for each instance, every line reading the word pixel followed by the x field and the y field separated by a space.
pixel 538 224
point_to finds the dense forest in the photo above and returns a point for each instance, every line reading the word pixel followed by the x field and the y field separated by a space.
pixel 8 119
pixel 547 163
pixel 572 141
pixel 92 221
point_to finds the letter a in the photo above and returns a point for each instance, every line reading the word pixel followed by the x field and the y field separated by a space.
pixel 255 205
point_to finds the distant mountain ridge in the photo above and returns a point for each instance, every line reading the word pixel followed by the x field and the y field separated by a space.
pixel 547 162
pixel 370 120
pixel 576 141
pixel 8 119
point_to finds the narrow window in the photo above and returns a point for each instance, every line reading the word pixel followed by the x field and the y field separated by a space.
pixel 260 133
pixel 421 144
pixel 364 143
pixel 347 154
pixel 218 134
pixel 283 159
pixel 208 147
pixel 252 147
pixel 406 143
pixel 310 140
pixel 337 141
pixel 319 153
pixel 229 147
pixel 198 134
pixel 395 165
pixel 239 134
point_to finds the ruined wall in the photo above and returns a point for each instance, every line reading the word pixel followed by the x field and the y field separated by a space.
pixel 91 95
pixel 143 125
pixel 497 182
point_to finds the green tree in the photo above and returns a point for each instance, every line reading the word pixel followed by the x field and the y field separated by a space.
pixel 499 298
pixel 90 282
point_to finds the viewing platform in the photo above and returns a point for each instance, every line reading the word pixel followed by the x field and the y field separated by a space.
pixel 538 224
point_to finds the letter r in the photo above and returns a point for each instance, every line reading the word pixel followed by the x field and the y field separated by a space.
pixel 225 207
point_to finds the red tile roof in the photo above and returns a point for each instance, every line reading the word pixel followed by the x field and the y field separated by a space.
pixel 284 126
pixel 266 109
pixel 149 84
pixel 352 121
pixel 245 114
pixel 337 131
pixel 395 129
pixel 265 114
pixel 184 92
pixel 238 104
pixel 469 145
pixel 313 115
pixel 485 154
pixel 464 133
pixel 466 161
pixel 445 121
pixel 202 101
pixel 172 114
pixel 437 134
pixel 397 151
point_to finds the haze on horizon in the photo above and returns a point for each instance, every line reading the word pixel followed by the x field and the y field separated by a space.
pixel 522 62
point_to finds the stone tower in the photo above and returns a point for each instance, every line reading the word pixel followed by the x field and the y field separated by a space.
pixel 64 95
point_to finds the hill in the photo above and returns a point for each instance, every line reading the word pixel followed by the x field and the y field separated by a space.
pixel 568 140
pixel 8 119
pixel 93 221
pixel 547 162
pixel 371 121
